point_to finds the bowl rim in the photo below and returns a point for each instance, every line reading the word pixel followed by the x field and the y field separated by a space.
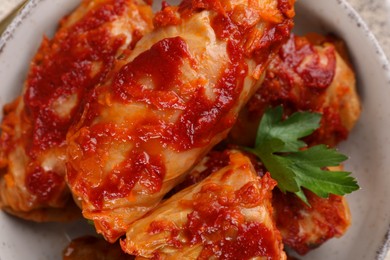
pixel 21 15
pixel 381 57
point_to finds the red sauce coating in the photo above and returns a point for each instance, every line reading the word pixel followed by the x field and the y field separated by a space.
pixel 252 239
pixel 218 224
pixel 286 7
pixel 167 16
pixel 66 67
pixel 203 118
pixel 240 23
pixel 196 126
pixel 297 79
pixel 314 73
pixel 189 7
pixel 328 214
pixel 331 131
pixel 154 79
pixel 142 164
pixel 44 184
pixel 161 63
pixel 63 67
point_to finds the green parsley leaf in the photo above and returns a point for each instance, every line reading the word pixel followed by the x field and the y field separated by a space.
pixel 279 147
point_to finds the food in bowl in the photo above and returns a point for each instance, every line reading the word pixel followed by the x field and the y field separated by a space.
pixel 65 69
pixel 164 104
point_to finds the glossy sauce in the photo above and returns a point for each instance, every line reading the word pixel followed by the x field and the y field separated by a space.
pixel 327 214
pixel 215 161
pixel 161 64
pixel 297 79
pixel 200 120
pixel 65 67
pixel 154 79
pixel 278 86
pixel 314 73
pixel 144 162
pixel 218 224
pixel 44 184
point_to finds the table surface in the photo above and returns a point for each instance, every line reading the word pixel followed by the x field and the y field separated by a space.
pixel 376 13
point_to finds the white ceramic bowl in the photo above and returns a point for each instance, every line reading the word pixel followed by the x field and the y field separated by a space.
pixel 368 145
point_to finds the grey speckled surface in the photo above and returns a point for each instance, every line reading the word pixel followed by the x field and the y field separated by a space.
pixel 376 13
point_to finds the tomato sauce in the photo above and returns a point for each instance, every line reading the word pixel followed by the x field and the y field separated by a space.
pixel 201 118
pixel 218 224
pixel 328 214
pixel 280 85
pixel 44 184
pixel 154 79
pixel 298 79
pixel 315 74
pixel 69 66
pixel 63 67
pixel 162 65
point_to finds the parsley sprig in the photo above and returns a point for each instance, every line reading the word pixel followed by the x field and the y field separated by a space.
pixel 279 146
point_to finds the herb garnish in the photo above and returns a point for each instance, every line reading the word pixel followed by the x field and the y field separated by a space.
pixel 291 163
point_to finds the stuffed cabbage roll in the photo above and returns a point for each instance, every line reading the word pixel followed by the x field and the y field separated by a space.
pixel 226 216
pixel 167 104
pixel 310 73
pixel 63 72
pixel 304 227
